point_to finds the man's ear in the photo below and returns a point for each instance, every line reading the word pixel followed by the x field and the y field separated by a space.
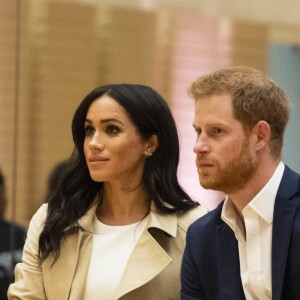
pixel 262 131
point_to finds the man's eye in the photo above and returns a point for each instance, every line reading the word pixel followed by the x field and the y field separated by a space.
pixel 217 130
pixel 198 131
pixel 89 130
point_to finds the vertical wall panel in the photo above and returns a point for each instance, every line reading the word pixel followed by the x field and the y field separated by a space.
pixel 199 45
pixel 8 52
pixel 130 46
pixel 58 54
pixel 250 44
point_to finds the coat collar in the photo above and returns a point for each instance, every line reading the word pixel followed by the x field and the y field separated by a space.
pixel 155 220
pixel 147 260
pixel 160 221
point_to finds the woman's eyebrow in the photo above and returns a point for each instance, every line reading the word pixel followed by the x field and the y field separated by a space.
pixel 105 121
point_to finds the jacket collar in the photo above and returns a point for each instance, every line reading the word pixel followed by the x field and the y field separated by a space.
pixel 147 260
pixel 228 257
pixel 157 220
pixel 86 221
pixel 284 212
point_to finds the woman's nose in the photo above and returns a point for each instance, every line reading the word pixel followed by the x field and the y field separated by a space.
pixel 96 143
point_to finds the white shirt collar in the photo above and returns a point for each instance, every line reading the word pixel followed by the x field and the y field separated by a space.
pixel 259 204
pixel 263 208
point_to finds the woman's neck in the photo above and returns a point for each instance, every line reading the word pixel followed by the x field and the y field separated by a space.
pixel 120 206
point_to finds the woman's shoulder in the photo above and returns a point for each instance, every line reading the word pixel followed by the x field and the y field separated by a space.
pixel 189 217
pixel 41 213
pixel 38 219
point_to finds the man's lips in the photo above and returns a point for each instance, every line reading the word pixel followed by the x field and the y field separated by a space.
pixel 204 164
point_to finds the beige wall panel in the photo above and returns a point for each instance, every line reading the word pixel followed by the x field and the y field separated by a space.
pixel 250 44
pixel 63 71
pixel 8 16
pixel 130 47
pixel 14 90
pixel 289 34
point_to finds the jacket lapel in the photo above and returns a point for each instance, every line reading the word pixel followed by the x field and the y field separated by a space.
pixel 228 264
pixel 284 212
pixel 59 276
pixel 65 272
pixel 148 258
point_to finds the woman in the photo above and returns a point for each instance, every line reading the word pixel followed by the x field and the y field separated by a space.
pixel 115 227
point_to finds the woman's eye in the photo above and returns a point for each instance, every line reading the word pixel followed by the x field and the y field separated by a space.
pixel 89 130
pixel 112 129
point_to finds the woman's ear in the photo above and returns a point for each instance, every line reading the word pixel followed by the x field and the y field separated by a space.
pixel 262 131
pixel 151 145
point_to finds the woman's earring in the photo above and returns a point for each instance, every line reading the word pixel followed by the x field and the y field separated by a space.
pixel 148 154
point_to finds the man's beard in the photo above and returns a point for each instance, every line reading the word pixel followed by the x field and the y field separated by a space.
pixel 233 175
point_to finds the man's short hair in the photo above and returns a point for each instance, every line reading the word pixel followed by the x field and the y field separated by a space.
pixel 254 95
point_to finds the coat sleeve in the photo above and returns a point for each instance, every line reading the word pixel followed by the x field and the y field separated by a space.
pixel 28 274
pixel 190 281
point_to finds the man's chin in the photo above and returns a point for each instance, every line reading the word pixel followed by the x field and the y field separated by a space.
pixel 208 185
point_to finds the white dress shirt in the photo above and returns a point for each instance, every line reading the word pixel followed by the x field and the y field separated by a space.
pixel 255 239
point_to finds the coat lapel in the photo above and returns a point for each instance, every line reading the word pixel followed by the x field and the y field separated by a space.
pixel 148 258
pixel 59 276
pixel 62 276
pixel 228 264
pixel 284 212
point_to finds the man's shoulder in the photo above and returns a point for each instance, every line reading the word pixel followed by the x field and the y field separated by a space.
pixel 208 221
pixel 290 184
pixel 290 173
pixel 187 218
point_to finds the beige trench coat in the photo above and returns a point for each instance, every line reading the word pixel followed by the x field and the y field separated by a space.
pixel 152 272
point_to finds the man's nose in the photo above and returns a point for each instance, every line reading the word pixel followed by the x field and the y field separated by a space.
pixel 202 144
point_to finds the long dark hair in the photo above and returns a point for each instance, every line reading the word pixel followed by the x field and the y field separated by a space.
pixel 77 191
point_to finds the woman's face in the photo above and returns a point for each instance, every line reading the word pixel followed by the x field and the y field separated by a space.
pixel 113 148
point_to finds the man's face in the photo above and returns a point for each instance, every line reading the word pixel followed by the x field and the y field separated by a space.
pixel 225 153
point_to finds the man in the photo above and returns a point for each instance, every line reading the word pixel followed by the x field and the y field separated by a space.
pixel 12 238
pixel 249 246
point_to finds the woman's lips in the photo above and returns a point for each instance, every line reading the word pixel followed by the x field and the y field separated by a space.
pixel 97 160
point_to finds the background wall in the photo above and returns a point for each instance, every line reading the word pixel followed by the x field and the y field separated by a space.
pixel 284 67
pixel 54 52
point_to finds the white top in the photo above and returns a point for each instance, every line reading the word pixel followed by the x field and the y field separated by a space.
pixel 112 246
pixel 255 245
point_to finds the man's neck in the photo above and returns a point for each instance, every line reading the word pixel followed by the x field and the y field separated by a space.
pixel 240 198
